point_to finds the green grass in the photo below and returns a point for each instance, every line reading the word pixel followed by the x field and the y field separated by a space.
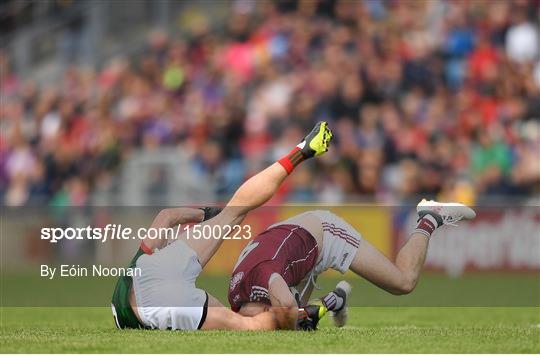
pixel 478 313
pixel 434 290
pixel 370 330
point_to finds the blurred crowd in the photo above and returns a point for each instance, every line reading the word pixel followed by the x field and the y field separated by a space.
pixel 425 98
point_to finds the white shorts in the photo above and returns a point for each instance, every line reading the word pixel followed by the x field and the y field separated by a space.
pixel 340 243
pixel 165 292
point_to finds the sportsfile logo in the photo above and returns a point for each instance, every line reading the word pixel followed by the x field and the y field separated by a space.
pixel 120 232
pixel 108 232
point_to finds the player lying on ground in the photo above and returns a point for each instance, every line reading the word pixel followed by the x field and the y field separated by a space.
pixel 294 252
pixel 165 295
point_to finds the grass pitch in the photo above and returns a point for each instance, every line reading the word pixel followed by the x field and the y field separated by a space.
pixel 370 330
pixel 378 323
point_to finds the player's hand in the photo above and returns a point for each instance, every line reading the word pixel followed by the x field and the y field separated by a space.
pixel 210 212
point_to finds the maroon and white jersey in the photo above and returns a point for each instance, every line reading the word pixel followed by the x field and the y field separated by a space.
pixel 288 250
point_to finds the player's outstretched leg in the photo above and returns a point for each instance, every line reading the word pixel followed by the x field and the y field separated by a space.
pixel 402 276
pixel 260 188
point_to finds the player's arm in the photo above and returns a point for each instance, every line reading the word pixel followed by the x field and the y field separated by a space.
pixel 281 296
pixel 170 217
pixel 173 216
pixel 279 292
pixel 219 317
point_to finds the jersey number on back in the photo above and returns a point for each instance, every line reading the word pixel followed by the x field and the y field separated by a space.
pixel 249 247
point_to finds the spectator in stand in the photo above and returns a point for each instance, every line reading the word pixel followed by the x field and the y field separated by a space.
pixel 436 98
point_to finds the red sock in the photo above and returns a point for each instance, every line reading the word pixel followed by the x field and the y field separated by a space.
pixel 426 225
pixel 292 159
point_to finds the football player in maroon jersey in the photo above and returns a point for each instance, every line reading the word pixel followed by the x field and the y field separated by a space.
pixel 292 253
